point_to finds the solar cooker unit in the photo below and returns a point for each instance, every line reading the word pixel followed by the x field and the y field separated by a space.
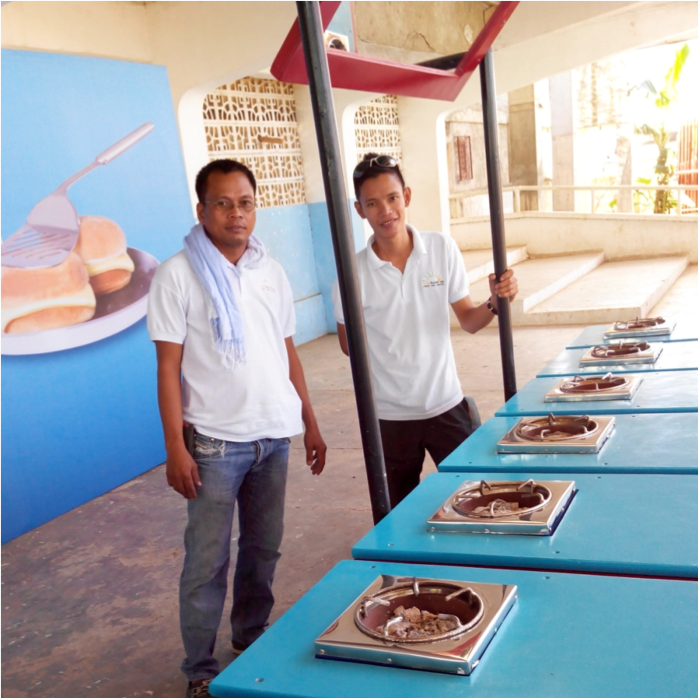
pixel 621 353
pixel 623 357
pixel 558 434
pixel 572 635
pixel 611 393
pixel 600 524
pixel 604 334
pixel 527 507
pixel 584 388
pixel 641 443
pixel 645 327
pixel 419 623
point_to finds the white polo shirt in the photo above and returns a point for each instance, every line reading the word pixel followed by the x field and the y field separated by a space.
pixel 408 326
pixel 254 400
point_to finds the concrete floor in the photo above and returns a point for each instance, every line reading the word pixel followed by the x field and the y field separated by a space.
pixel 89 602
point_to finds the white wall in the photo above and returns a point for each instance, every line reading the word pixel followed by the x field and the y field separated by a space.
pixel 425 165
pixel 103 29
pixel 346 102
pixel 620 236
pixel 208 43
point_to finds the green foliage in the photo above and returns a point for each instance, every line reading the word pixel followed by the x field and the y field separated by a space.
pixel 664 202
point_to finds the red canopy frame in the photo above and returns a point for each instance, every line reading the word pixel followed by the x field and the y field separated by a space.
pixel 354 71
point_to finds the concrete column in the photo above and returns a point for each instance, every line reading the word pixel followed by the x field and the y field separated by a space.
pixel 562 128
pixel 544 143
pixel 523 166
pixel 529 143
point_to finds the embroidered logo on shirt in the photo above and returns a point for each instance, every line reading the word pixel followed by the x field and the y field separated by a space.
pixel 266 286
pixel 432 279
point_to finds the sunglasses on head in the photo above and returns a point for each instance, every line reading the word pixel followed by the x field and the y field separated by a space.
pixel 380 161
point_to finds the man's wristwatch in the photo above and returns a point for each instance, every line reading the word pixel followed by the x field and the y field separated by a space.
pixel 491 308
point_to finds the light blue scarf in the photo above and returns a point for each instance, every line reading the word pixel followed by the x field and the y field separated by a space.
pixel 224 309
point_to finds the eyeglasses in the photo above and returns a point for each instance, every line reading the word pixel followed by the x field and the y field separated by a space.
pixel 226 206
pixel 380 161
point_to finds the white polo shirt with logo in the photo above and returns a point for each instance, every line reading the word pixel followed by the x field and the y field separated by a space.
pixel 408 326
pixel 254 400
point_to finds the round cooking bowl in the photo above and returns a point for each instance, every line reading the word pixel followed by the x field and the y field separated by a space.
pixel 621 349
pixel 376 610
pixel 584 385
pixel 556 428
pixel 638 324
pixel 530 499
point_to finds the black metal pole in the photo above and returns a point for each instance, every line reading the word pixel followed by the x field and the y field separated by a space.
pixel 310 25
pixel 494 186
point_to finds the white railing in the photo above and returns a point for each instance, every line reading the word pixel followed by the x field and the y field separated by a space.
pixel 686 204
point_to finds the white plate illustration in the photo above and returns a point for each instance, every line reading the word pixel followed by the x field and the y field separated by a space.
pixel 115 312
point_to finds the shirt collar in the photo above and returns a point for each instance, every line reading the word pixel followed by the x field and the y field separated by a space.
pixel 418 248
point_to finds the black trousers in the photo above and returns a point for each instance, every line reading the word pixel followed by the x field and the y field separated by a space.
pixel 405 444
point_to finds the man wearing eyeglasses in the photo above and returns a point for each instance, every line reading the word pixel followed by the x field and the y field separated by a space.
pixel 408 280
pixel 221 316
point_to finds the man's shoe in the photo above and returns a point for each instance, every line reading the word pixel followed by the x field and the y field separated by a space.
pixel 198 689
pixel 238 649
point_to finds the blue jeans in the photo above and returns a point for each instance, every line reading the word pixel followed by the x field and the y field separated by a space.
pixel 254 473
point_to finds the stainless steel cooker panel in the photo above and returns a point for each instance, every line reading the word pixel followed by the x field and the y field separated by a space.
pixel 645 327
pixel 623 352
pixel 583 388
pixel 558 434
pixel 345 639
pixel 488 507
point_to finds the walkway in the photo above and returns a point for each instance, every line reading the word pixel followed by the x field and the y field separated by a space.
pixel 90 599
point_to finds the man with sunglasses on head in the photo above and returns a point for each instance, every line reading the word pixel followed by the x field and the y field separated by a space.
pixel 408 280
pixel 231 392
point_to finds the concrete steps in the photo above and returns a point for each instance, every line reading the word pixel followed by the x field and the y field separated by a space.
pixel 539 279
pixel 613 291
pixel 584 289
pixel 480 265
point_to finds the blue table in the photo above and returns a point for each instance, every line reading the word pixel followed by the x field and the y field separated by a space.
pixel 611 526
pixel 567 636
pixel 634 447
pixel 593 336
pixel 675 356
pixel 660 391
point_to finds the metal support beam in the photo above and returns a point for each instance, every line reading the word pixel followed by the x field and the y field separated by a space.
pixel 310 25
pixel 494 186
